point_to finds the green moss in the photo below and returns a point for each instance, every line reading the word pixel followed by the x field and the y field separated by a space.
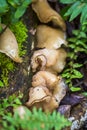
pixel 20 31
pixel 6 64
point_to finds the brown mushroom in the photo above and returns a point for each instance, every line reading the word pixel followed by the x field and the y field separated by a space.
pixel 46 14
pixel 50 38
pixel 49 60
pixel 51 105
pixel 40 97
pixel 8 45
pixel 46 79
pixel 38 94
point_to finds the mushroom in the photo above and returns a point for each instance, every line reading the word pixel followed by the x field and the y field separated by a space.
pixel 46 79
pixel 46 14
pixel 8 45
pixel 60 90
pixel 40 97
pixel 38 94
pixel 21 110
pixel 51 105
pixel 50 38
pixel 49 60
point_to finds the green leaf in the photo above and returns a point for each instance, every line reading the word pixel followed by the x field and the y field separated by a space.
pixel 77 65
pixel 21 10
pixel 3 7
pixel 74 89
pixel 77 74
pixel 67 1
pixel 84 14
pixel 1 84
pixel 76 11
pixel 72 8
pixel 14 3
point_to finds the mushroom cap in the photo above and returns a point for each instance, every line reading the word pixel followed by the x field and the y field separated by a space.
pixel 50 38
pixel 8 45
pixel 46 14
pixel 45 78
pixel 43 58
pixel 48 59
pixel 38 94
pixel 60 61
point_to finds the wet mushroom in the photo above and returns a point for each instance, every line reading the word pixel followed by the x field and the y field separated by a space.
pixel 46 14
pixel 49 60
pixel 50 38
pixel 8 45
pixel 46 79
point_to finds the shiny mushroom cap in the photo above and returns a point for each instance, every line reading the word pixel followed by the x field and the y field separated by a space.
pixel 38 94
pixel 50 38
pixel 46 14
pixel 8 45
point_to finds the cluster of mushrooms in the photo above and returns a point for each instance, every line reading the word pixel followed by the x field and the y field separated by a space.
pixel 48 88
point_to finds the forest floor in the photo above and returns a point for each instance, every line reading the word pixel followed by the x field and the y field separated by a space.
pixel 75 103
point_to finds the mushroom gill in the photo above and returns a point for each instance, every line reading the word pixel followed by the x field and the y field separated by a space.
pixel 46 14
pixel 8 45
pixel 53 60
pixel 50 38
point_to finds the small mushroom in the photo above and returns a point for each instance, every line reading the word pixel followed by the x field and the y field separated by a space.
pixel 50 38
pixel 46 79
pixel 60 90
pixel 8 45
pixel 40 97
pixel 46 14
pixel 21 110
pixel 49 60
pixel 38 94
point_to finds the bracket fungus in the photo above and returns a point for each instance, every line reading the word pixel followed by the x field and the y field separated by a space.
pixel 50 38
pixel 46 14
pixel 49 59
pixel 8 45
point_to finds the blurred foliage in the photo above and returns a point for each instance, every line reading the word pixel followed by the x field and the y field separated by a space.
pixel 35 120
pixel 77 44
pixel 13 8
pixel 76 8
